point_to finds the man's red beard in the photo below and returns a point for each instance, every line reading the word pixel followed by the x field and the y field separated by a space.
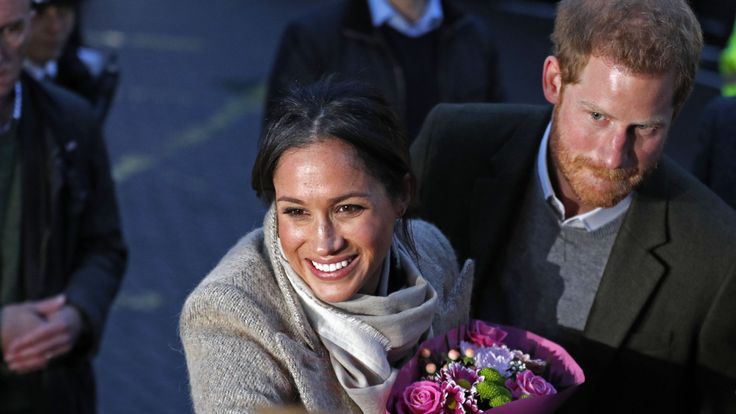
pixel 578 170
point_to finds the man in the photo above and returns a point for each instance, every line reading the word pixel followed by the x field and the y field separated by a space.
pixel 52 55
pixel 583 232
pixel 417 52
pixel 62 255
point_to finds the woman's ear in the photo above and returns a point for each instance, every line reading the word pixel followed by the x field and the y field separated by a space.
pixel 406 195
pixel 552 80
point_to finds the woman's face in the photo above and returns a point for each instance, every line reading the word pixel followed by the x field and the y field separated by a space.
pixel 335 220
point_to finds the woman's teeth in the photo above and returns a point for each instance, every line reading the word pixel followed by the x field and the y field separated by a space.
pixel 332 266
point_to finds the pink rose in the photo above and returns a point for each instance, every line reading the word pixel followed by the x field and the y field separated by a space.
pixel 483 334
pixel 528 383
pixel 422 397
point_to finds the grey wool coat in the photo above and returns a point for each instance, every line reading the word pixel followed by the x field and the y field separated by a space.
pixel 248 343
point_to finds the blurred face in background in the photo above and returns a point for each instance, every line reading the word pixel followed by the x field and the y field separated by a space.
pixel 335 220
pixel 14 22
pixel 51 27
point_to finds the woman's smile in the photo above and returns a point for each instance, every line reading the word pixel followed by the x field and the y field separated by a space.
pixel 334 270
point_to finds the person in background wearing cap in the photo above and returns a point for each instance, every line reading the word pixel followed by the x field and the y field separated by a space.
pixel 62 254
pixel 53 55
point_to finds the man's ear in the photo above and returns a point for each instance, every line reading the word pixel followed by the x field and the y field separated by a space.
pixel 552 80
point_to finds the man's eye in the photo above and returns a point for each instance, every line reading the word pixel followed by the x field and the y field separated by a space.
pixel 15 27
pixel 596 116
pixel 646 130
pixel 350 209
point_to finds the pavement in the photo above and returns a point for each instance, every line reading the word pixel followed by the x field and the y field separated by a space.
pixel 182 138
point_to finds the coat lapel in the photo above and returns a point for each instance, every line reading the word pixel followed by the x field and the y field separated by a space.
pixel 633 271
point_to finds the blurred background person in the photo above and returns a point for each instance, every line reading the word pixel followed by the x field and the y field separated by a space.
pixel 62 254
pixel 715 163
pixel 727 65
pixel 417 52
pixel 55 53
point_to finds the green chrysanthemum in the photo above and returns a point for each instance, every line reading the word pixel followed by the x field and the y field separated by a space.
pixel 490 374
pixel 488 391
pixel 500 400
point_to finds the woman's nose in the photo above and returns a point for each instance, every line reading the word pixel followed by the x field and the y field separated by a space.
pixel 328 238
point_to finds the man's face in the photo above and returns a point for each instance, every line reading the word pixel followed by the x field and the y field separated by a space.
pixel 50 31
pixel 608 131
pixel 14 21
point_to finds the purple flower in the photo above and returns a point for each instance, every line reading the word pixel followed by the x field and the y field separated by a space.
pixel 454 398
pixel 485 335
pixel 422 397
pixel 528 383
pixel 496 357
pixel 460 375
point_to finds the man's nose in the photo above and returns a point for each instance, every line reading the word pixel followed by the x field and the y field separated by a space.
pixel 615 151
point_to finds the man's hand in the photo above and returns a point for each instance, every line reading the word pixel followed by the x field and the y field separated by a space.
pixel 21 318
pixel 55 336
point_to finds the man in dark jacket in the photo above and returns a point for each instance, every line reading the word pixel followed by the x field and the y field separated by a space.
pixel 62 254
pixel 418 53
pixel 582 231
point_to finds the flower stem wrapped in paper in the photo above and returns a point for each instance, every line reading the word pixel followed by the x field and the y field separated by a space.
pixel 483 367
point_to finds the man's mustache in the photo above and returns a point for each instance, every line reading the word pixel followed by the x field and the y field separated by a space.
pixel 615 174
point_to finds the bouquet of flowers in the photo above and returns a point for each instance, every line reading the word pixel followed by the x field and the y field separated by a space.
pixel 481 367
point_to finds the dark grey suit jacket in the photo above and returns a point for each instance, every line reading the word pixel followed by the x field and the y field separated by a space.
pixel 661 334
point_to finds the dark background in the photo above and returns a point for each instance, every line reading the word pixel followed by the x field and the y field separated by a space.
pixel 182 136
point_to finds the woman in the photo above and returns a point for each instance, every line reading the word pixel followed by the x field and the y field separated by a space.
pixel 321 305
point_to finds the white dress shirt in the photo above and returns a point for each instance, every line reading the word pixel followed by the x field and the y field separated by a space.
pixel 39 73
pixel 383 12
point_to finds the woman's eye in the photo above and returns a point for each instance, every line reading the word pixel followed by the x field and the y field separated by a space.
pixel 350 209
pixel 292 211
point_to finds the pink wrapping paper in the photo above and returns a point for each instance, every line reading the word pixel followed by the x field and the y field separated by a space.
pixel 564 373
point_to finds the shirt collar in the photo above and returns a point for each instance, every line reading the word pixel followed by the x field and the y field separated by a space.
pixel 39 73
pixel 590 221
pixel 382 12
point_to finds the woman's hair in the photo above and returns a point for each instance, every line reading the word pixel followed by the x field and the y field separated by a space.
pixel 652 37
pixel 345 110
pixel 329 109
